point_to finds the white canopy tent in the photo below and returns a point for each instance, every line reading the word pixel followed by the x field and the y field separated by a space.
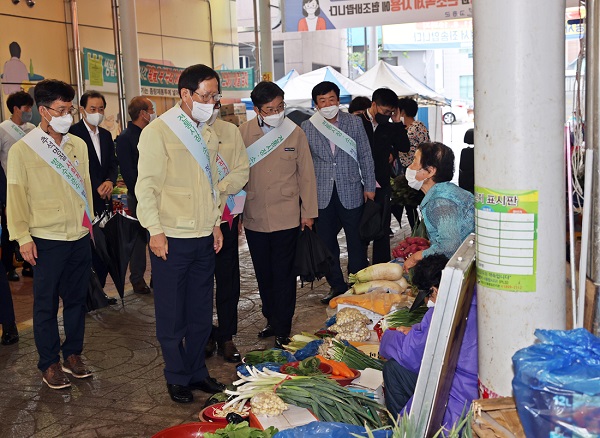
pixel 398 79
pixel 298 90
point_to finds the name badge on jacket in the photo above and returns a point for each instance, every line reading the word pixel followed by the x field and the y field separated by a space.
pixel 289 149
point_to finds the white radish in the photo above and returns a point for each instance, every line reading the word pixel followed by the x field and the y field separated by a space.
pixel 380 271
pixel 369 286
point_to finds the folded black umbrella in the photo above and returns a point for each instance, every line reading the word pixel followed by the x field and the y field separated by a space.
pixel 96 298
pixel 313 260
pixel 114 241
pixel 371 222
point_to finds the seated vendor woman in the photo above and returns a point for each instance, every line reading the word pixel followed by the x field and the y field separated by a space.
pixel 448 211
pixel 403 348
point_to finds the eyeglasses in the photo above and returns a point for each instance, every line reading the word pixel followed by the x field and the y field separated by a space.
pixel 63 112
pixel 208 97
pixel 269 111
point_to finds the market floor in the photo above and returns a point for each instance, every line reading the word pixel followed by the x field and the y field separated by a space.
pixel 127 395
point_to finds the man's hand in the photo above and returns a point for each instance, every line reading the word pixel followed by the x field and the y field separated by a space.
pixel 404 329
pixel 369 195
pixel 413 260
pixel 306 222
pixel 218 237
pixel 159 245
pixel 105 189
pixel 29 252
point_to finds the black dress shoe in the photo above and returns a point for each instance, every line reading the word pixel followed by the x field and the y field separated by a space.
pixel 180 394
pixel 111 300
pixel 229 352
pixel 210 385
pixel 330 296
pixel 141 288
pixel 27 272
pixel 10 335
pixel 12 275
pixel 267 332
pixel 211 347
pixel 280 341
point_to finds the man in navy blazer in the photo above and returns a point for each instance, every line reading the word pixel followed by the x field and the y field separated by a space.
pixel 101 148
pixel 343 183
pixel 104 166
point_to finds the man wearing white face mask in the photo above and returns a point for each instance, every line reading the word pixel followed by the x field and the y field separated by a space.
pixel 281 199
pixel 49 209
pixel 345 179
pixel 12 130
pixel 141 111
pixel 178 203
pixel 104 167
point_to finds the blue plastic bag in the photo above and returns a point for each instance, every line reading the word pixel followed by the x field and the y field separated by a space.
pixel 309 350
pixel 318 429
pixel 557 384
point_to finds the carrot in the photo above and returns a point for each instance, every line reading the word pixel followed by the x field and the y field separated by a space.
pixel 380 271
pixel 338 368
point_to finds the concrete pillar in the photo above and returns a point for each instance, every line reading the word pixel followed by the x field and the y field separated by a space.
pixel 129 45
pixel 520 98
pixel 266 40
pixel 373 52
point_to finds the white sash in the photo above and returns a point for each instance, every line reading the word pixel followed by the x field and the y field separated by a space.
pixel 12 129
pixel 185 129
pixel 269 142
pixel 337 136
pixel 234 202
pixel 43 145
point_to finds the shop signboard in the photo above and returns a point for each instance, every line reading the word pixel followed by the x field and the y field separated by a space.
pixel 339 14
pixel 237 80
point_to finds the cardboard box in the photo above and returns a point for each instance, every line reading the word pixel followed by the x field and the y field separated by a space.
pixel 227 109
pixel 496 417
pixel 294 416
pixel 370 384
pixel 239 108
pixel 235 119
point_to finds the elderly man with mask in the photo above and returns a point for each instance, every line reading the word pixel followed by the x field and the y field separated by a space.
pixel 345 179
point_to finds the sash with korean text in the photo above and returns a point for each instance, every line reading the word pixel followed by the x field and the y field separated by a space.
pixel 12 129
pixel 186 130
pixel 262 147
pixel 43 145
pixel 235 203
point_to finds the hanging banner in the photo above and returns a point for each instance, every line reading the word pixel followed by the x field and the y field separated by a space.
pixel 237 80
pixel 100 73
pixel 506 228
pixel 302 16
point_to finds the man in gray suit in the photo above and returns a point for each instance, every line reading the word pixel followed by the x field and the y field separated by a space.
pixel 345 179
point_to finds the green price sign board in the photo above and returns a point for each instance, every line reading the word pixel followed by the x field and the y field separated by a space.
pixel 506 225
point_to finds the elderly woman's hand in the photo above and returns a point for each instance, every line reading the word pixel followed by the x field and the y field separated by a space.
pixel 413 260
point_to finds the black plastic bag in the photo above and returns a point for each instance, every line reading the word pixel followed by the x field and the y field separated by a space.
pixel 313 260
pixel 371 222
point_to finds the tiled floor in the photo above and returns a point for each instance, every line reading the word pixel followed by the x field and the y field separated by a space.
pixel 127 396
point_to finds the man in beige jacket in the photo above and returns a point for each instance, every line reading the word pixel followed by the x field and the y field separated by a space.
pixel 178 204
pixel 48 207
pixel 281 199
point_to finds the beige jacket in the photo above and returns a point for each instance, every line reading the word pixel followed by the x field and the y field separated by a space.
pixel 40 202
pixel 174 194
pixel 233 151
pixel 282 187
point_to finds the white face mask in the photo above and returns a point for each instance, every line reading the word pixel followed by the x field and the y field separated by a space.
pixel 411 177
pixel 201 112
pixel 214 116
pixel 430 303
pixel 151 117
pixel 329 112
pixel 94 119
pixel 61 124
pixel 274 120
